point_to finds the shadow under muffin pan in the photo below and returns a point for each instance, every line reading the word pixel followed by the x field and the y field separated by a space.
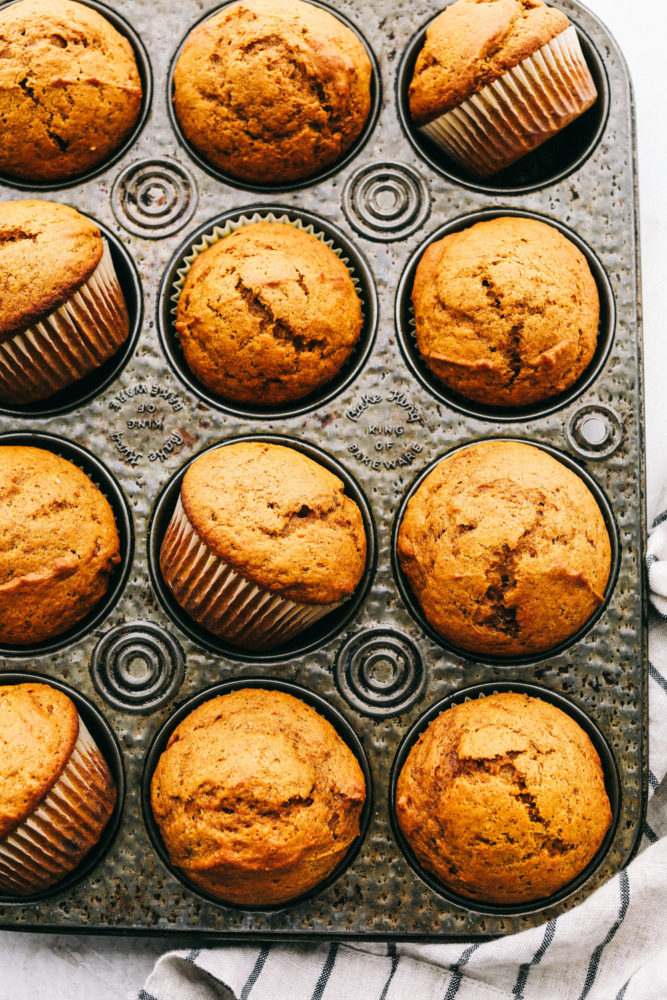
pixel 414 607
pixel 323 708
pixel 105 738
pixel 611 783
pixel 86 389
pixel 98 473
pixel 322 630
pixel 278 187
pixel 550 163
pixel 407 337
pixel 146 77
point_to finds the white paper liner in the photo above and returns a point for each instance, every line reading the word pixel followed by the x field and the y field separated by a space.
pixel 69 342
pixel 224 602
pixel 67 823
pixel 520 110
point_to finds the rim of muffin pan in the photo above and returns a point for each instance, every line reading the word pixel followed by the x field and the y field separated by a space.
pixel 323 630
pixel 324 708
pixel 107 742
pixel 86 389
pixel 101 477
pixel 550 163
pixel 405 325
pixel 612 785
pixel 414 608
pixel 359 269
pixel 305 182
pixel 124 28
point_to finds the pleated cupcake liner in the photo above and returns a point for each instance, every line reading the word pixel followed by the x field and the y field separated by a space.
pixel 68 343
pixel 66 825
pixel 520 110
pixel 223 601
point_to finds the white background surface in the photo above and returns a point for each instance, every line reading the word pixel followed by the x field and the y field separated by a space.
pixel 40 966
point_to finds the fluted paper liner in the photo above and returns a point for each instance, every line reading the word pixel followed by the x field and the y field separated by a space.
pixel 223 601
pixel 68 343
pixel 67 823
pixel 520 110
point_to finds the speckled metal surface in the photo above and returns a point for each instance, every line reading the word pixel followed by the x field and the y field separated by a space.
pixel 385 427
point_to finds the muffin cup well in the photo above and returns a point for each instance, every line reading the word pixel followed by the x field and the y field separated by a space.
pixel 611 782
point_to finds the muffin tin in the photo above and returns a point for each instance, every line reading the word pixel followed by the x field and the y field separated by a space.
pixel 378 670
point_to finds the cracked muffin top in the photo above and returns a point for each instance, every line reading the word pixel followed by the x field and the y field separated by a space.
pixel 47 251
pixel 506 311
pixel 505 549
pixel 503 799
pixel 257 797
pixel 272 91
pixel 70 91
pixel 58 545
pixel 278 518
pixel 268 314
pixel 472 43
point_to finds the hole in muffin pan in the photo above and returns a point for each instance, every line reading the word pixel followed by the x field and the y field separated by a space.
pixel 405 326
pixel 550 163
pixel 86 389
pixel 359 270
pixel 137 666
pixel 327 711
pixel 321 631
pixel 414 608
pixel 146 76
pixel 380 672
pixel 98 473
pixel 611 782
pixel 278 188
pixel 105 738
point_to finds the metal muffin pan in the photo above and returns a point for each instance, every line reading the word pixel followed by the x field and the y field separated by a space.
pixel 137 662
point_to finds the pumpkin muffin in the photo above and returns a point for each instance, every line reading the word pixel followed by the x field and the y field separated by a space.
pixel 58 545
pixel 497 78
pixel 506 311
pixel 263 543
pixel 257 797
pixel 56 791
pixel 503 799
pixel 272 91
pixel 70 92
pixel 268 314
pixel 505 549
pixel 62 311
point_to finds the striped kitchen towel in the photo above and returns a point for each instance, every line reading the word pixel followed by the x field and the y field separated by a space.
pixel 611 947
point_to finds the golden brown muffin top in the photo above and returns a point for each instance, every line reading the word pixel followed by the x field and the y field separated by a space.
pixel 505 549
pixel 268 314
pixel 506 311
pixel 70 91
pixel 38 729
pixel 255 784
pixel 473 42
pixel 272 90
pixel 279 518
pixel 503 799
pixel 47 251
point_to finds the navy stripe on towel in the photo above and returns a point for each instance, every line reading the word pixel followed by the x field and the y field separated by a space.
pixel 457 975
pixel 321 984
pixel 256 972
pixel 657 676
pixel 519 986
pixel 395 959
pixel 624 886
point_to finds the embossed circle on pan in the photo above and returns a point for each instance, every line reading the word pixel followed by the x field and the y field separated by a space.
pixel 98 473
pixel 413 606
pixel 318 634
pixel 550 163
pixel 85 389
pixel 595 431
pixel 105 738
pixel 279 188
pixel 379 672
pixel 146 76
pixel 137 667
pixel 358 267
pixel 407 338
pixel 611 781
pixel 323 708
pixel 154 198
pixel 386 201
